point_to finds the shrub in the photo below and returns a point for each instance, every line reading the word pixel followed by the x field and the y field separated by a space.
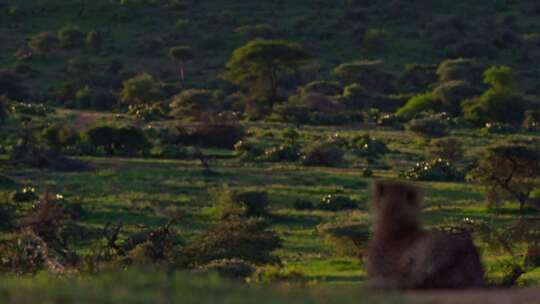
pixel 193 103
pixel 217 135
pixel 24 253
pixel 60 137
pixel 245 239
pixel 419 104
pixel 322 153
pixel 148 112
pixel 460 69
pixel 247 150
pixel 43 43
pixel 497 128
pixel 356 97
pixel 71 37
pixel 229 268
pixel 432 126
pixel 275 274
pixel 374 39
pixel 448 148
pixel 417 77
pixel 139 89
pixel 94 40
pixel 170 151
pixel 26 194
pixel 124 140
pixel 234 203
pixel 436 170
pixel 495 106
pixel 332 202
pixel 283 152
pixel 346 239
pixel 365 145
pixel 369 74
pixel 532 120
pixel 328 88
pixel 451 94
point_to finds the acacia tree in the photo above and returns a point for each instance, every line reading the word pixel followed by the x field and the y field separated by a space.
pixel 259 64
pixel 139 89
pixel 510 169
pixel 182 54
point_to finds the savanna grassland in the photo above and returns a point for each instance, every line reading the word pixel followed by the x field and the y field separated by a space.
pixel 197 151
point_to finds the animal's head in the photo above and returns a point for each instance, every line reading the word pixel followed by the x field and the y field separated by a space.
pixel 396 203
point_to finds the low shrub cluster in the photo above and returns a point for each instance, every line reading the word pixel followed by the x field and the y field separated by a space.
pixel 333 202
pixel 365 145
pixel 435 170
pixel 235 203
pixel 322 153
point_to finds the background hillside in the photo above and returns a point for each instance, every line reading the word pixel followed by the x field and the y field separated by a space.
pixel 137 35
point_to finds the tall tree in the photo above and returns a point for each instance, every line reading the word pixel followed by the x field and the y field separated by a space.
pixel 182 54
pixel 259 64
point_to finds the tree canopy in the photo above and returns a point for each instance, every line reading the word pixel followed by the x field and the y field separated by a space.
pixel 260 63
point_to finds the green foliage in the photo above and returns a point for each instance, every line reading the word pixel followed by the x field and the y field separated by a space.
pixel 260 64
pixel 43 43
pixel 60 136
pixel 26 194
pixel 333 202
pixel 322 153
pixel 217 135
pixel 235 203
pixel 448 148
pixel 460 69
pixel 451 94
pixel 432 126
pixel 193 103
pixel 495 106
pixel 368 73
pixel 438 170
pixel 346 239
pixel 24 253
pixel 94 40
pixel 329 88
pixel 284 152
pixel 532 120
pixel 365 145
pixel 500 78
pixel 418 104
pixel 181 53
pixel 140 89
pixel 245 239
pixel 71 37
pixel 123 140
pixel 511 169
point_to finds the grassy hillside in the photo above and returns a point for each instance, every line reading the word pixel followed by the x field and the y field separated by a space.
pixel 398 32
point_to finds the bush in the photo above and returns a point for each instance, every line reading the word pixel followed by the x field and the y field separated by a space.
pixel 148 112
pixel 60 137
pixel 332 202
pixel 532 120
pixel 438 170
pixel 284 152
pixel 356 97
pixel 247 150
pixel 94 40
pixel 31 109
pixel 43 43
pixel 26 194
pixel 193 103
pixel 448 148
pixel 71 37
pixel 322 153
pixel 234 203
pixel 328 88
pixel 140 89
pixel 495 106
pixel 229 268
pixel 433 126
pixel 451 94
pixel 367 146
pixel 276 274
pixel 24 253
pixel 123 140
pixel 369 74
pixel 417 77
pixel 347 239
pixel 419 104
pixel 170 151
pixel 497 128
pixel 216 135
pixel 468 70
pixel 245 239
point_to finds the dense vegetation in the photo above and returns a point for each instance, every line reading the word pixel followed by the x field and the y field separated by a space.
pixel 239 138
